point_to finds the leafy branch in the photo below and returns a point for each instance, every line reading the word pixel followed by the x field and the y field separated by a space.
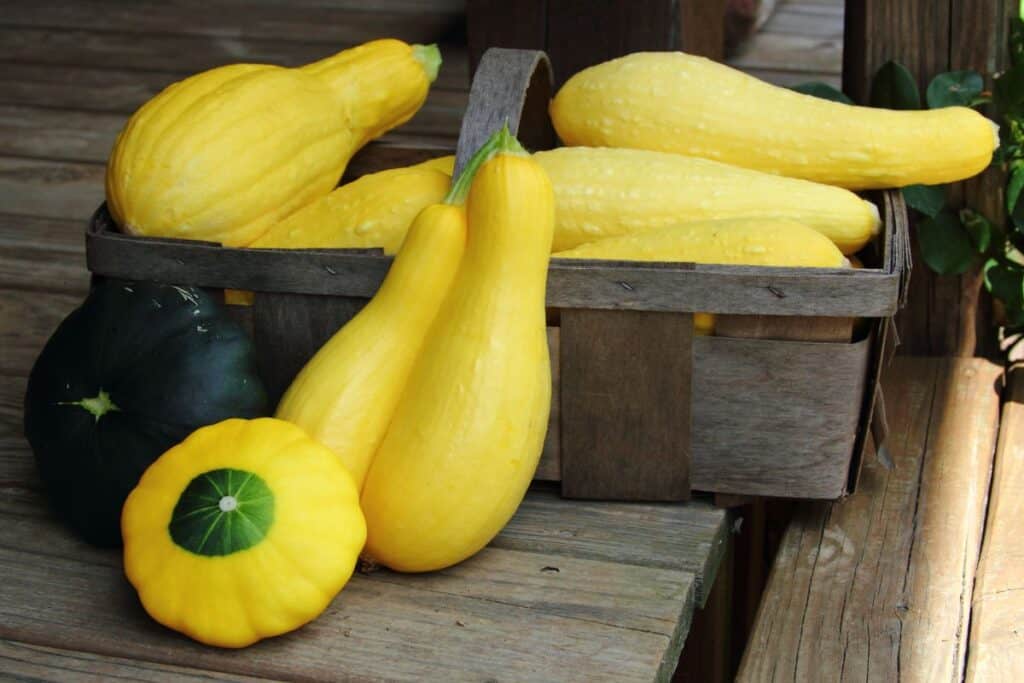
pixel 951 241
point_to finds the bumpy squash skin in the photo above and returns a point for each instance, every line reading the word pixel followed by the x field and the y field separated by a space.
pixel 739 241
pixel 308 533
pixel 467 434
pixel 373 211
pixel 168 360
pixel 675 102
pixel 225 154
pixel 346 394
pixel 603 192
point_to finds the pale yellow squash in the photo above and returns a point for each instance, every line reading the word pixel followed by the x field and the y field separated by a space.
pixel 675 102
pixel 766 241
pixel 466 436
pixel 445 164
pixel 345 395
pixel 372 211
pixel 605 192
pixel 225 154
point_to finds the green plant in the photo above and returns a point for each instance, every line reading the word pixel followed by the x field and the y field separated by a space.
pixel 953 241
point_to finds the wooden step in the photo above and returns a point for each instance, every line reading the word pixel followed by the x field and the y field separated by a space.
pixel 996 651
pixel 878 586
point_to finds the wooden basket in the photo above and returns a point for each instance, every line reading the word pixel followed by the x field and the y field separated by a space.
pixel 778 403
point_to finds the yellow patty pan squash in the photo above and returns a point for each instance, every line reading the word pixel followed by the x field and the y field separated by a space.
pixel 468 431
pixel 245 530
pixel 223 155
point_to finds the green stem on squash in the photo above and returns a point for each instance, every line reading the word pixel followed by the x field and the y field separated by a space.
pixel 98 405
pixel 501 142
pixel 430 57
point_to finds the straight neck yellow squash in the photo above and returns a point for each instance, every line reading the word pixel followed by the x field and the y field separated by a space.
pixel 680 103
pixel 345 395
pixel 466 436
pixel 225 154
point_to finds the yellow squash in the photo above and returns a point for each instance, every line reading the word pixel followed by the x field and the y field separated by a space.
pixel 604 192
pixel 373 211
pixel 225 154
pixel 466 436
pixel 346 394
pixel 445 164
pixel 245 530
pixel 739 241
pixel 675 102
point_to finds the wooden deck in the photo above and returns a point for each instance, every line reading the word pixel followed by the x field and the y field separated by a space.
pixel 887 585
pixel 570 591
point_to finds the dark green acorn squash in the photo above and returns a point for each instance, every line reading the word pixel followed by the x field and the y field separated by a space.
pixel 130 373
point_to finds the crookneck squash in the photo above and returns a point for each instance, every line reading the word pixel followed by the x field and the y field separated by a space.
pixel 245 530
pixel 126 376
pixel 466 436
pixel 225 154
pixel 606 192
pixel 675 102
pixel 346 394
pixel 373 211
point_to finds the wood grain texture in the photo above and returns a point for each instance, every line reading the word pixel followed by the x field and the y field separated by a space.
pixel 606 285
pixel 582 33
pixel 767 420
pixel 182 54
pixel 42 254
pixel 996 648
pixel 785 327
pixel 497 23
pixel 495 615
pixel 50 189
pixel 24 662
pixel 702 28
pixel 626 378
pixel 878 586
pixel 945 314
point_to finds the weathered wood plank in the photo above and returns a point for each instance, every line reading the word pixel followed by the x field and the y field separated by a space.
pixel 753 398
pixel 24 662
pixel 628 533
pixel 329 23
pixel 60 134
pixel 599 619
pixel 626 376
pixel 793 53
pixel 996 646
pixel 878 586
pixel 27 320
pixel 52 189
pixel 571 284
pixel 495 23
pixel 181 53
pixel 40 254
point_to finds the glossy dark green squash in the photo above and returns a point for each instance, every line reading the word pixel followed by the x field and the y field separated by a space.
pixel 130 373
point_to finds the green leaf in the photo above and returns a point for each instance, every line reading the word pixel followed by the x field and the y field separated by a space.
pixel 979 228
pixel 927 199
pixel 1017 40
pixel 1006 283
pixel 822 90
pixel 1014 187
pixel 945 246
pixel 954 88
pixel 894 88
pixel 1008 92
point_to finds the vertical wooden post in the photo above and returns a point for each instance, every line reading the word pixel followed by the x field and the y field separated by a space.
pixel 626 392
pixel 943 314
pixel 579 33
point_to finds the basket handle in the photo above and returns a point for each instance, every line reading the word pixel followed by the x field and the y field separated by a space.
pixel 511 86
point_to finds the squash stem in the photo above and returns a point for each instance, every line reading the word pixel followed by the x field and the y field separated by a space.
pixel 430 57
pixel 501 142
pixel 98 405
